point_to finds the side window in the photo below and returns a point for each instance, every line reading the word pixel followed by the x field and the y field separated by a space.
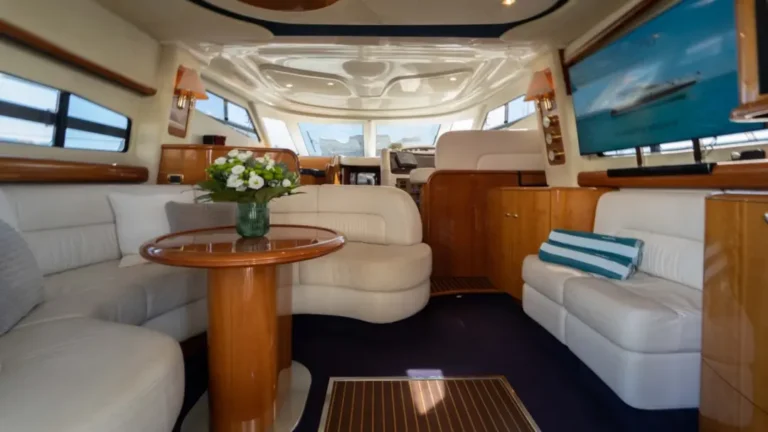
pixel 229 113
pixel 509 113
pixel 495 118
pixel 462 125
pixel 31 113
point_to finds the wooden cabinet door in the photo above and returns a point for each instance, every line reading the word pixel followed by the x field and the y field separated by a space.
pixel 501 239
pixel 529 226
pixel 518 222
pixel 735 327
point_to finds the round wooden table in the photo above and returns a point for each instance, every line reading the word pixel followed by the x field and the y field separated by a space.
pixel 249 323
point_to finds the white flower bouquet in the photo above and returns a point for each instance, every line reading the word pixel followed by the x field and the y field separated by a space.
pixel 241 178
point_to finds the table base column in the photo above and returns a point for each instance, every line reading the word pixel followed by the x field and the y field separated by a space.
pixel 294 399
pixel 243 349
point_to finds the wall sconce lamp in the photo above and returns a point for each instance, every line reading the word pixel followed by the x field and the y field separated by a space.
pixel 189 87
pixel 541 89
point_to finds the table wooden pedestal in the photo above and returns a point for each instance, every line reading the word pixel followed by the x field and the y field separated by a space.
pixel 253 385
pixel 244 340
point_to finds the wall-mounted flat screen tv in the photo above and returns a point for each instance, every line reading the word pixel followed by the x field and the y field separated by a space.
pixel 673 78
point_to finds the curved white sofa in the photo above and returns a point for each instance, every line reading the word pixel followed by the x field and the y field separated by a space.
pixel 381 275
pixel 99 353
pixel 641 336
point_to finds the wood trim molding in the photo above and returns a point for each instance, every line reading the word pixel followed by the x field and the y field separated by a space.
pixel 598 41
pixel 187 250
pixel 23 37
pixel 22 170
pixel 743 175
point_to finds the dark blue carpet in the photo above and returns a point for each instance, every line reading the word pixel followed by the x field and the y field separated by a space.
pixel 480 334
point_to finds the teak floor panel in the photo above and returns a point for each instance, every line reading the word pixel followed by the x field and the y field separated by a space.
pixel 437 405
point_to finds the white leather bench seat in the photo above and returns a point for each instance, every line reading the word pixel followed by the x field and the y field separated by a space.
pixel 643 314
pixel 131 295
pixel 88 375
pixel 549 279
pixel 421 175
pixel 641 336
pixel 369 267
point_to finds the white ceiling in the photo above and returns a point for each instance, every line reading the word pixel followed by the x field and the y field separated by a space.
pixel 366 76
pixel 387 79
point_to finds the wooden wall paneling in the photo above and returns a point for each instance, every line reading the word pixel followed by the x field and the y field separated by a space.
pixel 729 175
pixel 574 208
pixel 30 40
pixel 521 218
pixel 454 207
pixel 735 326
pixel 333 171
pixel 24 170
pixel 533 178
pixel 723 409
pixel 531 227
pixel 498 232
pixel 190 160
pixel 314 162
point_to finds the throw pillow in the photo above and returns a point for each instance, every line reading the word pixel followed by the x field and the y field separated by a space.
pixel 186 217
pixel 622 248
pixel 140 218
pixel 587 260
pixel 21 281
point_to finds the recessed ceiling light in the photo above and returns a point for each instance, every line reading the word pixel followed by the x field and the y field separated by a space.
pixel 331 84
pixel 507 2
pixel 453 78
pixel 289 85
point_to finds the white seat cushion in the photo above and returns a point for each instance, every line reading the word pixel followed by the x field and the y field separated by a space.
pixel 125 295
pixel 370 267
pixel 82 375
pixel 547 278
pixel 421 175
pixel 643 314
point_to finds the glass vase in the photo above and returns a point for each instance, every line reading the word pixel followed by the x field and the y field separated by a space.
pixel 252 219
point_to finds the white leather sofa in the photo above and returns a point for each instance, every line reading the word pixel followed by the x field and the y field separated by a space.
pixel 642 336
pixel 503 150
pixel 99 353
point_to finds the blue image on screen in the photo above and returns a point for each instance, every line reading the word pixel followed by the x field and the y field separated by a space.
pixel 674 78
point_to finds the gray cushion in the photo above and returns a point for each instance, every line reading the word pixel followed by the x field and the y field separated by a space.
pixel 21 281
pixel 185 217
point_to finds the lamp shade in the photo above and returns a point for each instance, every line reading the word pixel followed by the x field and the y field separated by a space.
pixel 541 85
pixel 188 83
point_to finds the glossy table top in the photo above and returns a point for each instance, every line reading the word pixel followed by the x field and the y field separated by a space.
pixel 223 247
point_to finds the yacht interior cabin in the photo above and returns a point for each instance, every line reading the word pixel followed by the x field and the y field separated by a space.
pixel 383 215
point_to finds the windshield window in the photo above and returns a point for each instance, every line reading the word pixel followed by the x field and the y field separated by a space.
pixel 278 134
pixel 408 135
pixel 329 139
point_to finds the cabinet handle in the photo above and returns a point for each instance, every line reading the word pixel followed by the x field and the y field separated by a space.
pixel 516 216
pixel 765 216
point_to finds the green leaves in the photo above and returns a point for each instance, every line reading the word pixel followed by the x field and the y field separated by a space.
pixel 272 173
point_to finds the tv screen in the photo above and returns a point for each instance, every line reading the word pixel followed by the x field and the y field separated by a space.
pixel 672 79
